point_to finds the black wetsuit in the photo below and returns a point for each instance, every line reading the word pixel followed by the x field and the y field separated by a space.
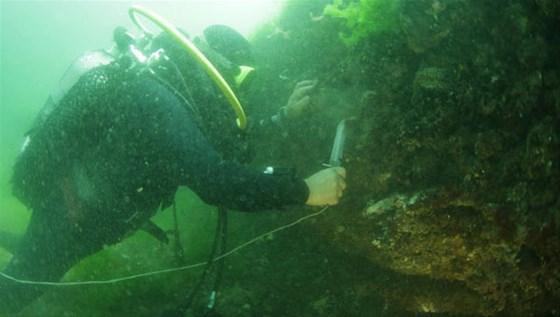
pixel 115 149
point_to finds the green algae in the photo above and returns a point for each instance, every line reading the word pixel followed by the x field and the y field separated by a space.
pixel 362 18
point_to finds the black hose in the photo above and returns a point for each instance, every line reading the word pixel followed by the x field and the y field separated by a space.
pixel 220 265
pixel 218 244
pixel 178 247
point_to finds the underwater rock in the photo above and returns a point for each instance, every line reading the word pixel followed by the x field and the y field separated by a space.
pixel 533 52
pixel 444 236
pixel 550 8
pixel 488 144
pixel 556 100
pixel 431 78
pixel 543 149
pixel 455 163
pixel 422 23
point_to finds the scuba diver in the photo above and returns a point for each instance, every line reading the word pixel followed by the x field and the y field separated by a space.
pixel 124 130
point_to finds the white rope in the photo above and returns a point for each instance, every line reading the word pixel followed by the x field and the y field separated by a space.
pixel 170 270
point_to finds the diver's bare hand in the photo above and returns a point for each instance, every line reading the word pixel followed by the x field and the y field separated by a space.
pixel 300 98
pixel 326 186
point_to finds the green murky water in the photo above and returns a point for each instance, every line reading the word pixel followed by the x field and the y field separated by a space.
pixel 452 205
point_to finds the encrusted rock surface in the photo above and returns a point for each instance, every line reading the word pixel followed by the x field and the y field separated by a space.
pixel 454 162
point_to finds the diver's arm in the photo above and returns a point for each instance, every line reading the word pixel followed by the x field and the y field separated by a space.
pixel 233 185
pixel 239 187
pixel 298 103
pixel 277 124
pixel 227 183
pixel 230 184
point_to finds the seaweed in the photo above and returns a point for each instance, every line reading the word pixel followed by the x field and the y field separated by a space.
pixel 363 18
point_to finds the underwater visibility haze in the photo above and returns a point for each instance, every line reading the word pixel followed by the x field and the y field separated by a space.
pixel 450 144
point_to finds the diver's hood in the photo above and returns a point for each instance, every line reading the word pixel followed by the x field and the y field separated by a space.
pixel 238 75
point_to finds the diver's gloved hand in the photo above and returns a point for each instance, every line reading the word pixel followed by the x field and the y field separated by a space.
pixel 326 186
pixel 300 99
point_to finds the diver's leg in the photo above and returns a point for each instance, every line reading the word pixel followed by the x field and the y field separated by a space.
pixel 49 248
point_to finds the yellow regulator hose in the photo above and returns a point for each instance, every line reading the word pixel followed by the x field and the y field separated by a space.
pixel 196 54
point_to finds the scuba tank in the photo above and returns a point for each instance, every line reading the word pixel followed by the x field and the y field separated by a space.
pixel 125 50
pixel 33 176
pixel 125 47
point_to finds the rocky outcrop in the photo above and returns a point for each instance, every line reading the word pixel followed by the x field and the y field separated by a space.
pixel 454 163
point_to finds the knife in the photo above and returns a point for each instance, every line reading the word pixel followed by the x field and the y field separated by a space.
pixel 337 151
